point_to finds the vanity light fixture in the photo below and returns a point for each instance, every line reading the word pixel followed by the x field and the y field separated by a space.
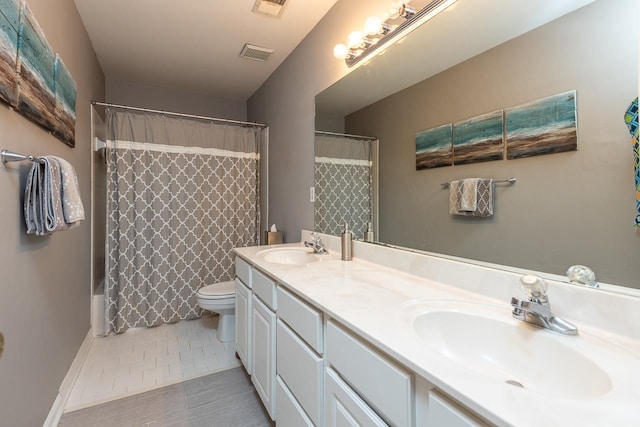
pixel 380 32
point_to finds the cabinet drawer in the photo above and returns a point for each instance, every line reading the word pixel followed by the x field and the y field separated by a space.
pixel 344 407
pixel 384 385
pixel 264 288
pixel 290 413
pixel 301 370
pixel 443 412
pixel 301 317
pixel 243 271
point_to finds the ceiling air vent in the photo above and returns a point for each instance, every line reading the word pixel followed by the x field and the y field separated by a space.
pixel 256 53
pixel 269 7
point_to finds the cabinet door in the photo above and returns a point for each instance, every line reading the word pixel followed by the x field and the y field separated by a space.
pixel 343 407
pixel 263 372
pixel 243 324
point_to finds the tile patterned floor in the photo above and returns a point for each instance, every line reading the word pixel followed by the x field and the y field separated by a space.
pixel 143 359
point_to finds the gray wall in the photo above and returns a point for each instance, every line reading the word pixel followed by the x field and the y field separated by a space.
pixel 44 290
pixel 159 98
pixel 569 208
pixel 286 102
pixel 99 200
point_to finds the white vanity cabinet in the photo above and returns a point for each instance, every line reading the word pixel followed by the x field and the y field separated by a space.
pixel 310 370
pixel 290 413
pixel 299 361
pixel 445 412
pixel 256 330
pixel 386 387
pixel 244 307
pixel 263 341
pixel 343 406
pixel 435 408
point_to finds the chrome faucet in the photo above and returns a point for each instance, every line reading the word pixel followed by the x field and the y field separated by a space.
pixel 536 309
pixel 316 244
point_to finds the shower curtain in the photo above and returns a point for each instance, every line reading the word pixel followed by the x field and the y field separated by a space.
pixel 181 194
pixel 343 184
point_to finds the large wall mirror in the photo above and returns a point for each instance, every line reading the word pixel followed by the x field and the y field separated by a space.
pixel 566 208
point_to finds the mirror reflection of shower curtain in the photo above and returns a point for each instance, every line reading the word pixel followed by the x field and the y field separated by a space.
pixel 181 195
pixel 343 184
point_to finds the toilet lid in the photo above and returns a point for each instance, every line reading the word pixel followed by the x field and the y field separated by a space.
pixel 218 290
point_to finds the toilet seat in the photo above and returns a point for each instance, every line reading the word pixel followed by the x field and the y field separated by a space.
pixel 222 290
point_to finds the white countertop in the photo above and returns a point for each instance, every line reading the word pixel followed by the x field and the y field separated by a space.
pixel 377 302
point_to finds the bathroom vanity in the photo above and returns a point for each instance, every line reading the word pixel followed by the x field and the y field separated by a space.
pixel 400 338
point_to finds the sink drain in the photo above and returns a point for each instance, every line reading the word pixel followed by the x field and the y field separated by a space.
pixel 514 383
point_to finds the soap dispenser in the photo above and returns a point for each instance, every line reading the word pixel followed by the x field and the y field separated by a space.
pixel 347 243
pixel 368 235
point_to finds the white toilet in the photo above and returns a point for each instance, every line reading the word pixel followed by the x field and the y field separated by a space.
pixel 221 298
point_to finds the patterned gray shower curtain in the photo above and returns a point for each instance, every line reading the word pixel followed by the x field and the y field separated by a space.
pixel 181 195
pixel 343 184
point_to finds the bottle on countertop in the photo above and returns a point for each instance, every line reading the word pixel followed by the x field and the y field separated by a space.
pixel 347 243
pixel 368 235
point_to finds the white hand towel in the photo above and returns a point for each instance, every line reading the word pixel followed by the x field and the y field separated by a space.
pixel 70 192
pixel 51 196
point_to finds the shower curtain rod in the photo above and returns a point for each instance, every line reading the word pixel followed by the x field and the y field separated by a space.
pixel 370 138
pixel 171 113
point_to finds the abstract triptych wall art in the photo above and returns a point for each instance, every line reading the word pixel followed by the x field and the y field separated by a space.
pixel 545 126
pixel 33 79
pixel 434 147
pixel 479 139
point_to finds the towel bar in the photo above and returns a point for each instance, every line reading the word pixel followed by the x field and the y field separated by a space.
pixel 509 180
pixel 10 156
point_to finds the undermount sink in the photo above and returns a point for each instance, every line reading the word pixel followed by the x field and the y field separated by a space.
pixel 489 342
pixel 289 256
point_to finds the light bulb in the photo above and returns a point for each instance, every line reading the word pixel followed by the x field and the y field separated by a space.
pixel 396 9
pixel 340 51
pixel 354 40
pixel 373 25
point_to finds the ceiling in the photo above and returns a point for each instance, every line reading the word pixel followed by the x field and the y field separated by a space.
pixel 194 45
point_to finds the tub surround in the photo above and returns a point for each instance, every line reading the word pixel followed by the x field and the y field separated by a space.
pixel 374 295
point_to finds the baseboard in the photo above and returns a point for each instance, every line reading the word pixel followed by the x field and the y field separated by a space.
pixel 55 413
pixel 67 383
